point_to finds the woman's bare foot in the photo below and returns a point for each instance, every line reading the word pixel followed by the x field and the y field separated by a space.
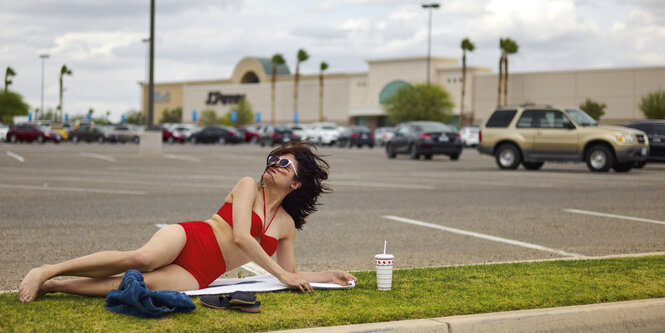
pixel 31 285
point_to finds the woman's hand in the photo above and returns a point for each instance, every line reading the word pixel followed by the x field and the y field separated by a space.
pixel 342 278
pixel 296 280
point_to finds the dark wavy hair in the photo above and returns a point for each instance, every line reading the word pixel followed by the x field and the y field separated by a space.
pixel 312 171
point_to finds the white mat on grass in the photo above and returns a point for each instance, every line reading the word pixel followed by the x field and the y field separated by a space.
pixel 259 284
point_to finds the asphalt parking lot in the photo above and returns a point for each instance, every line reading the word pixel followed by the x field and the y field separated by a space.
pixel 63 201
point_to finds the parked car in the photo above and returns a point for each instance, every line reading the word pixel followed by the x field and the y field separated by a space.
pixel 167 135
pixel 60 128
pixel 534 134
pixel 128 133
pixel 86 132
pixel 32 132
pixel 216 134
pixel 356 136
pixel 469 135
pixel 109 133
pixel 425 138
pixel 301 130
pixel 383 134
pixel 275 135
pixel 3 131
pixel 324 133
pixel 655 131
pixel 249 132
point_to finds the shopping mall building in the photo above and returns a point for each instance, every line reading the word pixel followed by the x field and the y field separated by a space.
pixel 356 98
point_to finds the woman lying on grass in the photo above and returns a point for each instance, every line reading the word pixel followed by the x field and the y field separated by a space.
pixel 250 226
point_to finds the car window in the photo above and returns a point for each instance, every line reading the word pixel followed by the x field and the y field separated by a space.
pixel 403 130
pixel 659 129
pixel 501 118
pixel 581 117
pixel 552 119
pixel 642 127
pixel 526 120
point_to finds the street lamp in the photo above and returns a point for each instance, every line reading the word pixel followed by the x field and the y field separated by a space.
pixel 43 57
pixel 429 7
pixel 146 41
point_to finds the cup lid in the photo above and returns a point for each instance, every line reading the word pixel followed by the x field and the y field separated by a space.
pixel 384 256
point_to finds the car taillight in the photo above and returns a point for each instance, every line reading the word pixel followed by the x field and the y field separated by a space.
pixel 232 134
pixel 480 136
pixel 275 135
pixel 354 135
pixel 371 135
pixel 458 136
pixel 425 136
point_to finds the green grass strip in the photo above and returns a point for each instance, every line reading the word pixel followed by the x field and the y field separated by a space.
pixel 417 293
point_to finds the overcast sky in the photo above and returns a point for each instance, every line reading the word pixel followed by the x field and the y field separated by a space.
pixel 101 41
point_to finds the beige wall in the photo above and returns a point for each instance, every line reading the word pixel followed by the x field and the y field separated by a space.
pixel 175 98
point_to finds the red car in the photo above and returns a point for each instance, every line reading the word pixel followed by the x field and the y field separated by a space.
pixel 167 135
pixel 31 132
pixel 250 132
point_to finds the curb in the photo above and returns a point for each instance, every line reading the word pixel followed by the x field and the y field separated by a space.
pixel 629 316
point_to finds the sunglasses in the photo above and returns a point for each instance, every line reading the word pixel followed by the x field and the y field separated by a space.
pixel 282 163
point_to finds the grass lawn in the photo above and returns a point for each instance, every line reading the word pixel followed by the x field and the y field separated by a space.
pixel 417 293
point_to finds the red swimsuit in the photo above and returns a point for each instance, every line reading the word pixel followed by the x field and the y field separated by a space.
pixel 201 255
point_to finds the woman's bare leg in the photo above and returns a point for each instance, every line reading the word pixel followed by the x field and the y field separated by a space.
pixel 170 277
pixel 160 250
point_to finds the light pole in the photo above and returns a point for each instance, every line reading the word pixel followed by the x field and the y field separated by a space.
pixel 146 41
pixel 43 57
pixel 429 7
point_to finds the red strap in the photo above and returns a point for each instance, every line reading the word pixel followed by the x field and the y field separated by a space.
pixel 263 190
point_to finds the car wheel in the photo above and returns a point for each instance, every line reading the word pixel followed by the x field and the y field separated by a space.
pixel 508 157
pixel 221 140
pixel 413 152
pixel 100 139
pixel 136 139
pixel 622 167
pixel 170 140
pixel 454 157
pixel 640 164
pixel 371 146
pixel 533 165
pixel 599 159
pixel 390 150
pixel 263 143
pixel 40 139
pixel 12 138
pixel 75 139
pixel 428 156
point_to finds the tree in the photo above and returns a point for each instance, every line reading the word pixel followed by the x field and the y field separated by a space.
pixel 8 74
pixel 301 57
pixel 467 45
pixel 277 59
pixel 653 105
pixel 171 116
pixel 594 109
pixel 419 102
pixel 208 118
pixel 134 117
pixel 244 114
pixel 11 104
pixel 322 67
pixel 48 115
pixel 63 71
pixel 508 47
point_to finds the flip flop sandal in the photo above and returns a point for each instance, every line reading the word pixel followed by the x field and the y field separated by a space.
pixel 242 297
pixel 222 302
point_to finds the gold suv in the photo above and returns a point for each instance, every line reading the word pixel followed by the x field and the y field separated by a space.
pixel 533 134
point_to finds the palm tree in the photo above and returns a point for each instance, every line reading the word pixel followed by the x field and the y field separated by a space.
pixel 467 45
pixel 323 67
pixel 63 71
pixel 8 73
pixel 301 56
pixel 509 47
pixel 277 59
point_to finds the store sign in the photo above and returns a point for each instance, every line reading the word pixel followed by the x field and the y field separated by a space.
pixel 215 97
pixel 161 98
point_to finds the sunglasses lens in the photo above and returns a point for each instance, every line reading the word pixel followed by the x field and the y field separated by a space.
pixel 283 163
pixel 272 159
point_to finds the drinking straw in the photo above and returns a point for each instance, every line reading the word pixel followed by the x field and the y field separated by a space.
pixel 384 246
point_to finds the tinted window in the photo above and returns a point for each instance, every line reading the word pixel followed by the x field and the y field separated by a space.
pixel 501 118
pixel 642 127
pixel 526 120
pixel 433 127
pixel 552 119
pixel 659 129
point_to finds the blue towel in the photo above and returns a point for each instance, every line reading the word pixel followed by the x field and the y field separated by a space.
pixel 134 298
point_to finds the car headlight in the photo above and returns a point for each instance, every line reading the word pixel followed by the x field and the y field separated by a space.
pixel 625 138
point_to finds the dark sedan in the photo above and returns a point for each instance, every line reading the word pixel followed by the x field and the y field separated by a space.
pixel 86 132
pixel 356 136
pixel 217 134
pixel 655 130
pixel 425 138
pixel 31 132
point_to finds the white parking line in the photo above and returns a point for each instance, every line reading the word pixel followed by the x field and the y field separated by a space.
pixel 483 236
pixel 250 266
pixel 384 185
pixel 68 189
pixel 579 211
pixel 16 156
pixel 99 156
pixel 182 157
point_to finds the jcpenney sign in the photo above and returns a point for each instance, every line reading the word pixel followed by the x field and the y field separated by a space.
pixel 215 97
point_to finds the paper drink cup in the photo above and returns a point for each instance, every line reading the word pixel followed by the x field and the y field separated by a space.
pixel 384 271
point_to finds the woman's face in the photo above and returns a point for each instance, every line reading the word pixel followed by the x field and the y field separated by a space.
pixel 282 175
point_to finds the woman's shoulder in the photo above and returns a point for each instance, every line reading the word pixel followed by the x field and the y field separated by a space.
pixel 246 185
